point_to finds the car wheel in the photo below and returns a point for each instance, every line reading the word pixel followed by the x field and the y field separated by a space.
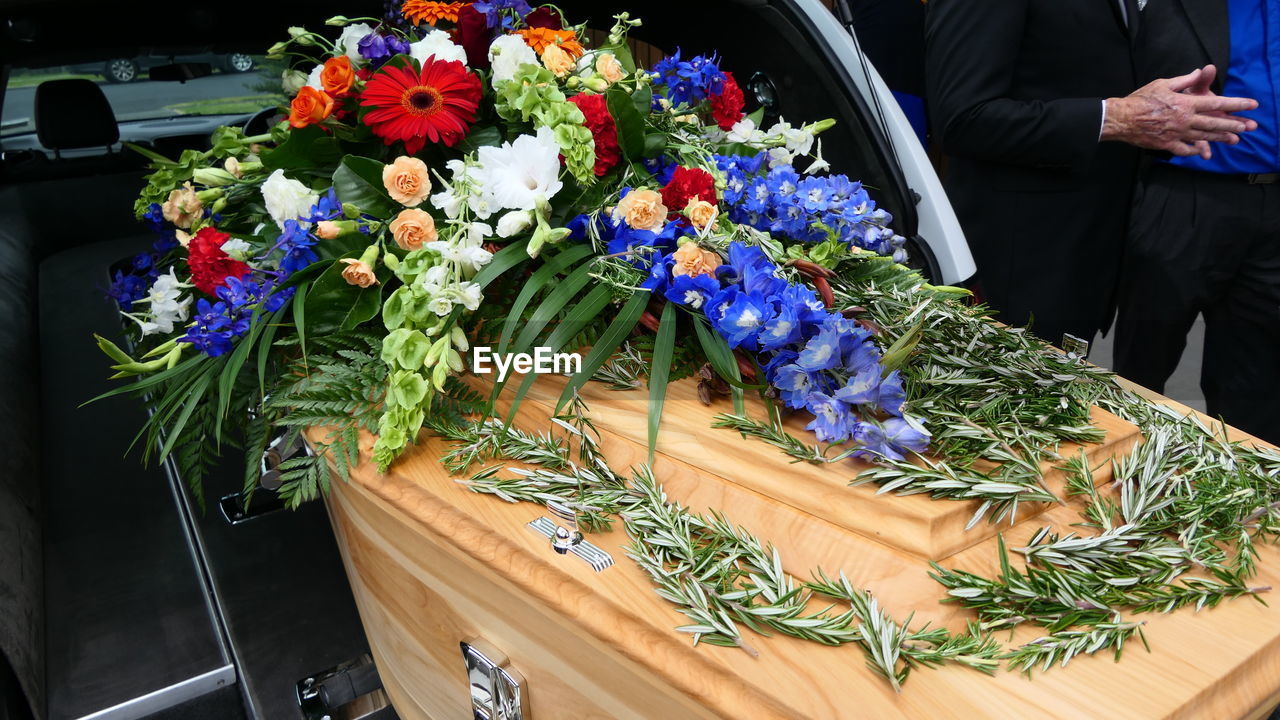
pixel 239 62
pixel 121 70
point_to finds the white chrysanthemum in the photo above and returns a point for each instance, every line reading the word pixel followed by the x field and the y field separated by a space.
pixel 517 174
pixel 437 43
pixel 507 54
pixel 349 41
pixel 286 199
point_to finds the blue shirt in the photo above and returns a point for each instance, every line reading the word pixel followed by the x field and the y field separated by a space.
pixel 1254 72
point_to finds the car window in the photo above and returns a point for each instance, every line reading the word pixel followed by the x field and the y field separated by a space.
pixel 240 84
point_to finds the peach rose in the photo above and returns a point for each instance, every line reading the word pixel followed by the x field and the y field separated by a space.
pixel 411 228
pixel 358 272
pixel 309 107
pixel 407 181
pixel 232 166
pixel 693 261
pixel 337 77
pixel 701 213
pixel 643 210
pixel 557 60
pixel 327 230
pixel 608 67
pixel 183 206
pixel 184 237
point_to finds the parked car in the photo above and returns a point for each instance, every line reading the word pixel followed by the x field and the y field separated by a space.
pixel 119 597
pixel 128 69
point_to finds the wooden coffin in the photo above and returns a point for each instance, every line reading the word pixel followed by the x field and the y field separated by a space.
pixel 433 564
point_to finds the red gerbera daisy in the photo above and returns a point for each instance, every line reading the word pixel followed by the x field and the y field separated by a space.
pixel 210 266
pixel 437 103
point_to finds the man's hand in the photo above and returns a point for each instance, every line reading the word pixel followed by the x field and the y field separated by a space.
pixel 1178 115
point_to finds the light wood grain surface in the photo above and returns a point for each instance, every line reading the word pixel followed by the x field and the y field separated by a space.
pixel 432 563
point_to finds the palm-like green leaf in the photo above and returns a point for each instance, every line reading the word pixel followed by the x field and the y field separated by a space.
pixel 659 371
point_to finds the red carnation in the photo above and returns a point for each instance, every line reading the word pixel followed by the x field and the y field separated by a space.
pixel 688 184
pixel 472 33
pixel 603 131
pixel 210 266
pixel 726 107
pixel 437 103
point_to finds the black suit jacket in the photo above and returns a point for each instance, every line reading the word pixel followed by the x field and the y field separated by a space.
pixel 1178 36
pixel 1015 91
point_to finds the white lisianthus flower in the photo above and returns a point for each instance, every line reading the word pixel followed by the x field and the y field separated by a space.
pixel 291 81
pixel 313 79
pixel 236 248
pixel 285 198
pixel 507 54
pixel 514 222
pixel 349 42
pixel 437 43
pixel 517 174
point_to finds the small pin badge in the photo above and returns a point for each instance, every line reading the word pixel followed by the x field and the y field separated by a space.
pixel 569 542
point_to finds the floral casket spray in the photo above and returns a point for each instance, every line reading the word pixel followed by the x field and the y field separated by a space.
pixel 755 372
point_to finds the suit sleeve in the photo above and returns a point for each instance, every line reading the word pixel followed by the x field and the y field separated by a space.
pixel 971 54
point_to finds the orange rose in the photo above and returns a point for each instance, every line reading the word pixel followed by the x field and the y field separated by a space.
pixel 642 209
pixel 693 261
pixel 412 228
pixel 337 77
pixel 557 60
pixel 701 213
pixel 309 107
pixel 407 180
pixel 358 273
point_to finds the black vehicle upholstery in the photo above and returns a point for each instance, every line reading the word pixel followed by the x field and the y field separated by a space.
pixel 73 114
pixel 21 562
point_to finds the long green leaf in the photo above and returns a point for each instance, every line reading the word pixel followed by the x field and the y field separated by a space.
pixel 503 260
pixel 264 348
pixel 231 370
pixel 721 358
pixel 550 307
pixel 608 341
pixel 540 277
pixel 659 372
pixel 193 398
pixel 574 321
pixel 300 320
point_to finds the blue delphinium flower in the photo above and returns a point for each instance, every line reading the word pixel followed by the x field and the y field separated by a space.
pixel 212 328
pixel 493 11
pixel 744 318
pixel 833 421
pixel 662 168
pixel 692 292
pixel 688 82
pixel 296 243
pixel 889 440
pixel 328 207
pixel 127 288
pixel 794 384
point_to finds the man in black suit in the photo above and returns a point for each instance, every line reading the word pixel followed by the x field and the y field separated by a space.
pixel 1034 103
pixel 1205 233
